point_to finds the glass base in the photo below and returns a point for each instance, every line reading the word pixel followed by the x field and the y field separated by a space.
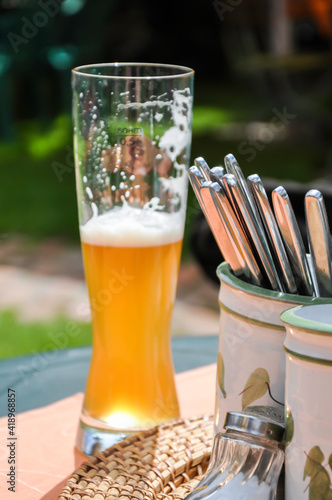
pixel 95 436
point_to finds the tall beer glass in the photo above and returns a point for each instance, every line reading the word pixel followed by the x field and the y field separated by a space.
pixel 132 144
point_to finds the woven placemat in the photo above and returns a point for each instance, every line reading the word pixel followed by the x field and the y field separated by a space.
pixel 165 461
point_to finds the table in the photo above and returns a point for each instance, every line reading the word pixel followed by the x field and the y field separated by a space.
pixel 43 378
pixel 45 453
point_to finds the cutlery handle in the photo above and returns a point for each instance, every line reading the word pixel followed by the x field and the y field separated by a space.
pixel 216 225
pixel 292 239
pixel 262 202
pixel 236 234
pixel 319 239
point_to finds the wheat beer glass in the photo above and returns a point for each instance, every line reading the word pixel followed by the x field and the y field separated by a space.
pixel 132 141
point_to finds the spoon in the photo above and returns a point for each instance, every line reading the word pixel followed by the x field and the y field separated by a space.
pixel 262 202
pixel 216 174
pixel 319 238
pixel 236 235
pixel 293 240
pixel 217 225
pixel 203 167
pixel 256 232
pixel 234 168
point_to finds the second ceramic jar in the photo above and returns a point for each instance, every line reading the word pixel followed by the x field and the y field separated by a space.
pixel 308 344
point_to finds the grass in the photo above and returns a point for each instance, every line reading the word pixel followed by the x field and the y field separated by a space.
pixel 18 339
pixel 33 199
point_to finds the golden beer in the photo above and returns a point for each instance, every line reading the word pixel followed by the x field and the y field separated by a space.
pixel 132 137
pixel 131 272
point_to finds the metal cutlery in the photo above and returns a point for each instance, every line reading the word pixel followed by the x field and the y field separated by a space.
pixel 229 243
pixel 313 275
pixel 236 235
pixel 319 239
pixel 264 248
pixel 255 231
pixel 217 225
pixel 216 174
pixel 234 168
pixel 271 227
pixel 203 167
pixel 236 208
pixel 293 240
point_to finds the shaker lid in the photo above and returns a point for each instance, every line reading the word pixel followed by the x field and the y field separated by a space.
pixel 263 421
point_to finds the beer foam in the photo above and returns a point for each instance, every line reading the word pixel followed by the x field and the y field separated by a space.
pixel 127 226
pixel 176 138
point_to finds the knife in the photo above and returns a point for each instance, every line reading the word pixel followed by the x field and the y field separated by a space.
pixel 262 202
pixel 236 235
pixel 203 167
pixel 293 240
pixel 234 168
pixel 216 174
pixel 313 276
pixel 319 238
pixel 217 226
pixel 256 232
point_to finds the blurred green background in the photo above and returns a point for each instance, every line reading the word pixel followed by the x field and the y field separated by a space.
pixel 257 62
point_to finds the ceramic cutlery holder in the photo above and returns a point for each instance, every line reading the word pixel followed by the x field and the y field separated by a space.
pixel 251 358
pixel 308 346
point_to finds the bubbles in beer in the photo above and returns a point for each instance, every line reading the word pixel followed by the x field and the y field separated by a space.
pixel 89 193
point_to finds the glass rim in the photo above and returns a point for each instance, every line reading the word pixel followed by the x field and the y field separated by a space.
pixel 184 71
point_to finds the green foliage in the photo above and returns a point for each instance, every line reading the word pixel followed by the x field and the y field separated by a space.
pixel 256 387
pixel 221 375
pixel 289 427
pixel 320 482
pixel 18 338
pixel 314 461
pixel 209 118
pixel 34 199
pixel 41 143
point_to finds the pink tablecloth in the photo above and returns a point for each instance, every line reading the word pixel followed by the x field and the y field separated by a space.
pixel 45 452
